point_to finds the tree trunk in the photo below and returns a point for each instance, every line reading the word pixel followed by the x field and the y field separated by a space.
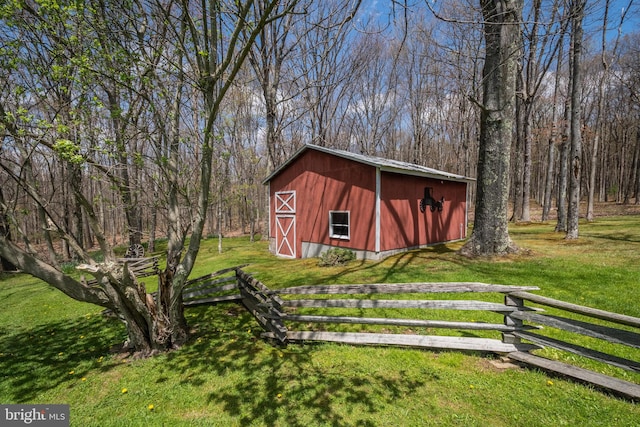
pixel 5 233
pixel 502 34
pixel 573 211
pixel 153 325
pixel 51 252
pixel 563 173
pixel 43 271
pixel 154 220
pixel 126 190
pixel 526 164
pixel 637 183
pixel 549 179
pixel 66 250
pixel 518 149
pixel 272 137
pixel 171 306
pixel 220 218
pixel 76 221
pixel 599 112
pixel 593 166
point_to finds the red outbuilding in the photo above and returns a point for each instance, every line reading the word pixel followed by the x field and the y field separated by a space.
pixel 323 198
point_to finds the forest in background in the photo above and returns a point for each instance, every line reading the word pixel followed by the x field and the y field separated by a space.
pixel 95 97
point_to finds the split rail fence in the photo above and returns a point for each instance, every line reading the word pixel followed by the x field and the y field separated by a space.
pixel 280 311
pixel 140 267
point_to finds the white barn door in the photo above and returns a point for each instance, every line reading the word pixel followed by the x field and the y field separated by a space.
pixel 286 224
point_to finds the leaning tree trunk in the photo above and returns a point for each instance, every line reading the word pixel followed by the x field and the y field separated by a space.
pixel 502 35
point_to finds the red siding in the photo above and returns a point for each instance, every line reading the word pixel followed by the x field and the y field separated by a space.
pixel 324 182
pixel 404 225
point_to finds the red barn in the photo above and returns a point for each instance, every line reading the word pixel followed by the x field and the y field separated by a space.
pixel 323 198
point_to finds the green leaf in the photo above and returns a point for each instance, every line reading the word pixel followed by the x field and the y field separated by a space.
pixel 68 151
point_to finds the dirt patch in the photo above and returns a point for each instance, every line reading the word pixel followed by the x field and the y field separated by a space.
pixel 497 365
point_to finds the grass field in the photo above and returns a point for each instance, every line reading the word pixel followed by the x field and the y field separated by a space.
pixel 55 350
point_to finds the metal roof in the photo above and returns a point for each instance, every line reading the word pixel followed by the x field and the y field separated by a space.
pixel 386 165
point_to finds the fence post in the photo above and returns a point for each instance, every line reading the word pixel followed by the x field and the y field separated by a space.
pixel 512 301
pixel 263 305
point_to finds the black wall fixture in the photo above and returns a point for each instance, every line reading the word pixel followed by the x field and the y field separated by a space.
pixel 428 200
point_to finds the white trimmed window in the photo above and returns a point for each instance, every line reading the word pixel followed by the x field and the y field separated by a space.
pixel 339 225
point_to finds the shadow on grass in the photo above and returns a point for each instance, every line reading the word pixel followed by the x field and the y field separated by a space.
pixel 388 266
pixel 279 382
pixel 47 356
pixel 258 384
pixel 613 236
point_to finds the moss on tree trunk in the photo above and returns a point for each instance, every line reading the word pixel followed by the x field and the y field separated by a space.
pixel 502 35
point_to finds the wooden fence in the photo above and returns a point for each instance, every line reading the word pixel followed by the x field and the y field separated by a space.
pixel 398 305
pixel 279 312
pixel 140 267
pixel 589 324
pixel 219 286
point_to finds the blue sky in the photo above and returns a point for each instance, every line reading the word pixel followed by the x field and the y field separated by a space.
pixel 383 9
pixel 593 21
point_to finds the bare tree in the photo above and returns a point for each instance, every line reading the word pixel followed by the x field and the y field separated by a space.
pixel 417 61
pixel 188 43
pixel 575 158
pixel 553 139
pixel 274 46
pixel 543 35
pixel 373 109
pixel 490 234
pixel 460 48
pixel 565 147
pixel 324 62
pixel 599 127
pixel 629 84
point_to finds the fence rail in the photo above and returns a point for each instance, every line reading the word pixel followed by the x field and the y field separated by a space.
pixel 277 312
pixel 219 286
pixel 140 267
pixel 414 340
pixel 590 329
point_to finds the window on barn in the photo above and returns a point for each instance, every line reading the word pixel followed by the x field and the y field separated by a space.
pixel 339 224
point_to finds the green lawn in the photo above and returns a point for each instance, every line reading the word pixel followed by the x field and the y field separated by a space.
pixel 55 350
